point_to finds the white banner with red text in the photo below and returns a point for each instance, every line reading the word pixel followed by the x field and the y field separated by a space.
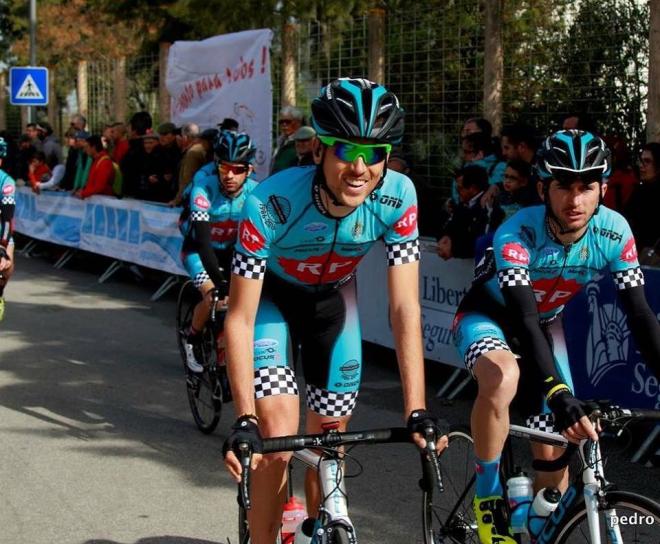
pixel 225 76
pixel 442 285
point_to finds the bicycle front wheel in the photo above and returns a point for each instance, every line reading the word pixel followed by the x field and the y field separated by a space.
pixel 623 518
pixel 448 517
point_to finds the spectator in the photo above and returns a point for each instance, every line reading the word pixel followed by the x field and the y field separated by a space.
pixel 469 219
pixel 207 137
pixel 477 124
pixel 52 182
pixel 31 131
pixel 303 140
pixel 194 157
pixel 643 203
pixel 49 145
pixel 119 142
pixel 229 124
pixel 25 152
pixel 38 170
pixel 622 180
pixel 107 139
pixel 151 183
pixel 83 162
pixel 101 172
pixel 578 121
pixel 519 143
pixel 132 160
pixel 78 122
pixel 284 156
pixel 478 150
pixel 170 152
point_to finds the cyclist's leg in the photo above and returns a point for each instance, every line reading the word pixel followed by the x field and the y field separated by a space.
pixel 488 357
pixel 332 364
pixel 6 274
pixel 277 406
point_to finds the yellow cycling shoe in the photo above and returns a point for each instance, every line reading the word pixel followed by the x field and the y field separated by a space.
pixel 492 521
pixel 2 308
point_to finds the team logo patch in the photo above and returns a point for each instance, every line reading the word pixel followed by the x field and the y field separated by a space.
pixel 629 253
pixel 251 238
pixel 279 208
pixel 7 189
pixel 224 231
pixel 202 202
pixel 408 222
pixel 552 293
pixel 515 253
pixel 326 268
pixel 315 227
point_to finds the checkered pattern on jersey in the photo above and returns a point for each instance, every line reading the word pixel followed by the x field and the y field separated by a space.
pixel 480 347
pixel 200 216
pixel 406 252
pixel 200 278
pixel 248 267
pixel 274 380
pixel 513 277
pixel 8 200
pixel 330 403
pixel 542 422
pixel 625 279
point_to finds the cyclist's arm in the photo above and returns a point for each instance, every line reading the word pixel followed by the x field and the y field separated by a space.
pixel 405 315
pixel 6 217
pixel 202 231
pixel 643 324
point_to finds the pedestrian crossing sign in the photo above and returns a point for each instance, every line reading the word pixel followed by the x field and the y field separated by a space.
pixel 28 86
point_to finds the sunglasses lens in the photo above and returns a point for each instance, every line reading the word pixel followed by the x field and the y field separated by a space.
pixel 566 178
pixel 349 152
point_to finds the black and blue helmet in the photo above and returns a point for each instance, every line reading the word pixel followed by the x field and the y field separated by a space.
pixel 569 155
pixel 231 146
pixel 3 148
pixel 358 108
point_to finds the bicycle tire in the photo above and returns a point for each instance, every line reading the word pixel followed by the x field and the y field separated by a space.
pixel 448 517
pixel 575 529
pixel 338 534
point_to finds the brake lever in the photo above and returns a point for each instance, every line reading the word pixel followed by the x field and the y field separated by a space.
pixel 244 485
pixel 432 454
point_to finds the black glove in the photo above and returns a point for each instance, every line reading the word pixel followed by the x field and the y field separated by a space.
pixel 244 431
pixel 566 408
pixel 420 420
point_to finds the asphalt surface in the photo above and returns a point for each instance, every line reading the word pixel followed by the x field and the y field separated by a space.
pixel 97 445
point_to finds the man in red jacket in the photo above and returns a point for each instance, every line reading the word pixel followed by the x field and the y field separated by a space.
pixel 101 173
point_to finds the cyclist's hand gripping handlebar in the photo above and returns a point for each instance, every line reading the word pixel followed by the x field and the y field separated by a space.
pixel 427 425
pixel 243 441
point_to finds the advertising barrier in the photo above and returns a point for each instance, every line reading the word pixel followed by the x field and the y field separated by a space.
pixel 127 230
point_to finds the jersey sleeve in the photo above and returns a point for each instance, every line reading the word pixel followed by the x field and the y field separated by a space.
pixel 200 201
pixel 253 243
pixel 512 256
pixel 623 263
pixel 7 207
pixel 402 236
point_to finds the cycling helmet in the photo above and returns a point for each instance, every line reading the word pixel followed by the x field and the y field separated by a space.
pixel 3 148
pixel 568 155
pixel 358 108
pixel 231 146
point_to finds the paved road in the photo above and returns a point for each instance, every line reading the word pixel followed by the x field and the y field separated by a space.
pixel 96 440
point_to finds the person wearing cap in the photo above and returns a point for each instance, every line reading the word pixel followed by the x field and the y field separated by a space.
pixel 291 119
pixel 83 162
pixel 193 158
pixel 303 140
pixel 229 124
pixel 168 135
pixel 49 144
pixel 151 183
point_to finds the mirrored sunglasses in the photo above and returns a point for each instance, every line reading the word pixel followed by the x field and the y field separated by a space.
pixel 236 169
pixel 350 151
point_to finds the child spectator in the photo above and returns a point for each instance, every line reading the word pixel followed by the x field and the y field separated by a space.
pixel 52 182
pixel 101 172
pixel 38 170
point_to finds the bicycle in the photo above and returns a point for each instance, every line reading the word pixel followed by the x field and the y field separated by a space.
pixel 332 524
pixel 577 517
pixel 204 388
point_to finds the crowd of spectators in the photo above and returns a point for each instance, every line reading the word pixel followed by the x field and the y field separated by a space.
pixel 494 177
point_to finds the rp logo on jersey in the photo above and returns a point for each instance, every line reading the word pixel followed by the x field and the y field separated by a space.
pixel 515 253
pixel 552 293
pixel 316 269
pixel 408 222
pixel 629 253
pixel 224 231
pixel 7 189
pixel 202 202
pixel 251 238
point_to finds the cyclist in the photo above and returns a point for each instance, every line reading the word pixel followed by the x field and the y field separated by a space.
pixel 309 226
pixel 7 206
pixel 540 258
pixel 209 223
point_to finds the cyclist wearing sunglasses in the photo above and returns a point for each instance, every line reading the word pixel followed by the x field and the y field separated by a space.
pixel 209 223
pixel 540 258
pixel 302 233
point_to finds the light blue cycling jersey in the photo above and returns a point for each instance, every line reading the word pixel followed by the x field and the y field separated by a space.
pixel 286 227
pixel 526 253
pixel 7 198
pixel 204 201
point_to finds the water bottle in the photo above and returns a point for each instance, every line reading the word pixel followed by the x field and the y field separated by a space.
pixel 545 503
pixel 305 531
pixel 293 515
pixel 520 493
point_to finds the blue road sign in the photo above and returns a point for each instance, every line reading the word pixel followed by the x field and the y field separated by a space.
pixel 28 86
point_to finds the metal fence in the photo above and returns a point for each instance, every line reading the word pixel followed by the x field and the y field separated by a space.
pixel 559 56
